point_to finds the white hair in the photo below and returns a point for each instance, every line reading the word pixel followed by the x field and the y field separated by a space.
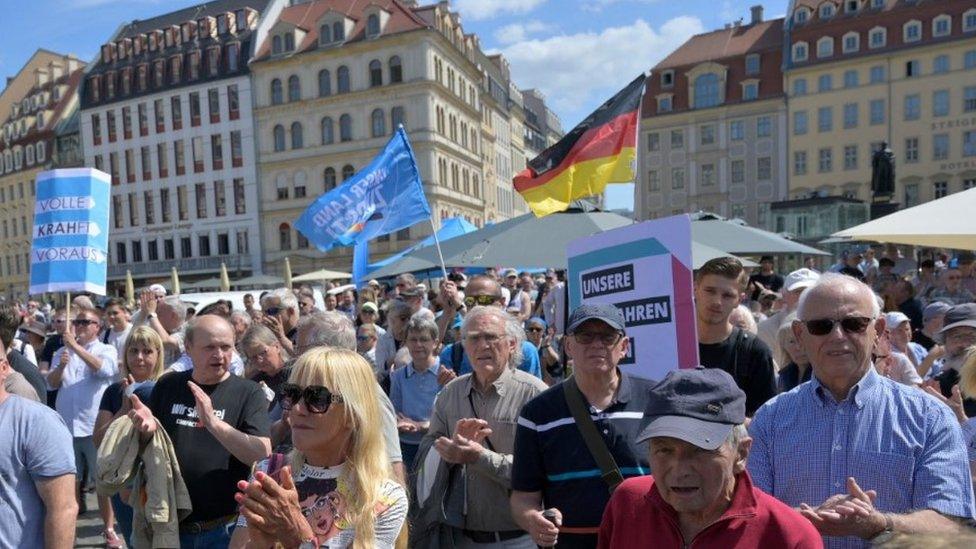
pixel 749 321
pixel 286 298
pixel 328 328
pixel 738 433
pixel 513 330
pixel 178 306
pixel 836 279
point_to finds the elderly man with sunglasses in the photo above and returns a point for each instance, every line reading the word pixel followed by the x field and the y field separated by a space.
pixel 860 456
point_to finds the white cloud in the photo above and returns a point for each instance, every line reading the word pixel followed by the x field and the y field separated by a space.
pixel 478 10
pixel 519 32
pixel 578 72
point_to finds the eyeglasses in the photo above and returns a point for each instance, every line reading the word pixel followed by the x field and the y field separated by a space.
pixel 317 398
pixel 607 338
pixel 272 311
pixel 83 322
pixel 490 339
pixel 850 325
pixel 483 300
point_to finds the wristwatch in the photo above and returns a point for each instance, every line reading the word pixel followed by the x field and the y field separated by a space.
pixel 150 316
pixel 885 535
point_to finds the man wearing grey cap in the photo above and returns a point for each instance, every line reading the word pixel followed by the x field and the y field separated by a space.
pixel 958 336
pixel 700 493
pixel 555 468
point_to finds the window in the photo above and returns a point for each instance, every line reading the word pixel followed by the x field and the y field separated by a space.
pixel 240 204
pixel 706 91
pixel 677 178
pixel 911 150
pixel 342 75
pixel 653 181
pixel 752 64
pixel 297 137
pixel 825 119
pixel 398 118
pixel 707 134
pixel 825 47
pixel 801 15
pixel 764 168
pixel 325 34
pixel 969 21
pixel 146 163
pixel 284 237
pixel 233 57
pixel 940 103
pixel 877 111
pixel 133 210
pixel 126 122
pixel 800 123
pixel 912 68
pixel 799 162
pixel 201 194
pixel 877 74
pixel 969 143
pixel 707 174
pixel 736 130
pixel 182 203
pixel 110 123
pixel 850 79
pixel 338 31
pixel 289 41
pixel 279 138
pixel 800 51
pixel 345 128
pixel 176 109
pixel 750 91
pixel 203 242
pixel 213 105
pixel 375 73
pixel 329 179
pixel 194 108
pixel 120 255
pixel 850 157
pixel 175 70
pixel 738 171
pixel 377 123
pixel 654 141
pixel 940 189
pixel 164 205
pixel 968 184
pixel 325 83
pixel 852 42
pixel 940 146
pixel 940 64
pixel 677 139
pixel 941 25
pixel 372 25
pixel 664 103
pixel 294 88
pixel 826 160
pixel 877 38
pixel 223 244
pixel 800 86
pixel 396 70
pixel 825 82
pixel 913 106
pixel 850 115
pixel 328 134
pixel 143 120
pixel 196 147
pixel 276 92
pixel 186 247
pixel 161 161
pixel 826 10
pixel 179 157
pixel 96 126
pixel 347 172
pixel 969 99
pixel 764 126
pixel 912 31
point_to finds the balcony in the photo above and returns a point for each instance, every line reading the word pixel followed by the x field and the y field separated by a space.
pixel 183 266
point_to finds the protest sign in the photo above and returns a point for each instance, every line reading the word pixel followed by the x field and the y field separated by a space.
pixel 646 271
pixel 69 251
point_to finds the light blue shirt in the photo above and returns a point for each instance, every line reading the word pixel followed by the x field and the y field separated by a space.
pixel 891 438
pixel 530 360
pixel 82 387
pixel 413 393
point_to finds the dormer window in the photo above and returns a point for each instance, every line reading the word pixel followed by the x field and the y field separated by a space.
pixel 825 47
pixel 941 25
pixel 800 51
pixel 851 42
pixel 801 15
pixel 877 37
pixel 289 41
pixel 752 64
pixel 877 4
pixel 667 79
pixel 912 31
pixel 106 53
pixel 240 17
pixel 372 25
pixel 969 21
pixel 826 11
pixel 338 31
pixel 222 23
pixel 851 6
pixel 276 47
pixel 187 32
pixel 152 41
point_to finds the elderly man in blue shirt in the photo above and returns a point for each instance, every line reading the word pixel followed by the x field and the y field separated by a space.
pixel 859 455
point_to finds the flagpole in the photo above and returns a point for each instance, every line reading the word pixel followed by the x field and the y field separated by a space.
pixel 437 242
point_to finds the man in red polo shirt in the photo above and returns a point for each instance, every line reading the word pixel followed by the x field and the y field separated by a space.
pixel 700 494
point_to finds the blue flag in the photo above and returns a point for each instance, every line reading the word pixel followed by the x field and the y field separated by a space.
pixel 384 197
pixel 69 251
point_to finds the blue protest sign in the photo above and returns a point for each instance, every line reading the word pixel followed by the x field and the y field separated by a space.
pixel 385 196
pixel 69 251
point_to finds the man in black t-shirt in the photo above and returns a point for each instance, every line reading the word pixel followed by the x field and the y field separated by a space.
pixel 219 426
pixel 766 277
pixel 718 290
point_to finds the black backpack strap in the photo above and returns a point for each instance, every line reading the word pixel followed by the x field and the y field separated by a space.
pixel 594 442
pixel 457 356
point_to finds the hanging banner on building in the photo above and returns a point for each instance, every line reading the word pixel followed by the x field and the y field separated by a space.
pixel 69 251
pixel 646 270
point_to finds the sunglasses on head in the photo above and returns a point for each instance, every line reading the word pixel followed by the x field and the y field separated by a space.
pixel 850 325
pixel 483 300
pixel 317 398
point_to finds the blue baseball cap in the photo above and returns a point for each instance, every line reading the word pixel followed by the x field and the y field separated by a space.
pixel 604 312
pixel 537 320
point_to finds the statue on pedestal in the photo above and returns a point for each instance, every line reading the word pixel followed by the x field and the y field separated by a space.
pixel 882 173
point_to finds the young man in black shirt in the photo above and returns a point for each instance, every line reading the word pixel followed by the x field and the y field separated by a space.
pixel 766 277
pixel 219 426
pixel 718 290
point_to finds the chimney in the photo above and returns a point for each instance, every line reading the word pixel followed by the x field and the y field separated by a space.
pixel 757 14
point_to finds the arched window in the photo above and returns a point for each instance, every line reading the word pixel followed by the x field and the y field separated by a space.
pixel 342 77
pixel 375 73
pixel 706 91
pixel 276 96
pixel 284 237
pixel 41 151
pixel 475 187
pixel 372 25
pixel 325 34
pixel 300 241
pixel 297 139
pixel 275 44
pixel 396 70
pixel 325 83
pixel 328 133
pixel 347 172
pixel 338 31
pixel 397 118
pixel 289 42
pixel 279 138
pixel 294 88
pixel 329 179
pixel 345 128
pixel 378 123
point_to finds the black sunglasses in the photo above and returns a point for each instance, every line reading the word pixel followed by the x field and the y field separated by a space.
pixel 850 325
pixel 83 322
pixel 272 311
pixel 607 338
pixel 317 398
pixel 483 300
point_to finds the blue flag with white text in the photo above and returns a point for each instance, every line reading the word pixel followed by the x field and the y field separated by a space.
pixel 384 197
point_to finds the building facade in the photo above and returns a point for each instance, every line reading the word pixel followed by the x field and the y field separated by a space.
pixel 863 72
pixel 36 102
pixel 167 111
pixel 713 126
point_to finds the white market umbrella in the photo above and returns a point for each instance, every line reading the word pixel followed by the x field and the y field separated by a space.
pixel 321 274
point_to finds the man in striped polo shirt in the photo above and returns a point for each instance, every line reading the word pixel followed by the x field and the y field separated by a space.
pixel 553 468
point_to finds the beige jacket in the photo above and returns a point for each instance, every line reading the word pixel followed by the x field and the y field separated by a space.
pixel 159 497
pixel 16 384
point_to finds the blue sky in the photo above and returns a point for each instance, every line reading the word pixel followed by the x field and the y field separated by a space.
pixel 578 52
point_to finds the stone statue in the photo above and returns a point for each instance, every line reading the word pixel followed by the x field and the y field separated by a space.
pixel 883 171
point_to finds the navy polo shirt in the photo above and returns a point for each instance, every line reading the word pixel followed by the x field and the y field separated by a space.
pixel 551 457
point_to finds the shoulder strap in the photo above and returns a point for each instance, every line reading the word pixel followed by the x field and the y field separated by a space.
pixel 594 442
pixel 105 337
pixel 457 356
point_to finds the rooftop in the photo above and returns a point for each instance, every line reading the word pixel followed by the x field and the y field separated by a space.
pixel 724 43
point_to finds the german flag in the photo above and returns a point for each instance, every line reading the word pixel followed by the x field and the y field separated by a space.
pixel 600 150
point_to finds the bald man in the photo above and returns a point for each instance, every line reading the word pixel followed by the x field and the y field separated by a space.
pixel 218 423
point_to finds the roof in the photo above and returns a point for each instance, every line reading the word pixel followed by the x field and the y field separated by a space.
pixel 723 43
pixel 192 13
pixel 307 15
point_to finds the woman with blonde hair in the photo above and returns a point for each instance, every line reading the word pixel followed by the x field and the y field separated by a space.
pixel 141 365
pixel 338 489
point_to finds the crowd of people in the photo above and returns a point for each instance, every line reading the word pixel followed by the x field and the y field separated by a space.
pixel 830 409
